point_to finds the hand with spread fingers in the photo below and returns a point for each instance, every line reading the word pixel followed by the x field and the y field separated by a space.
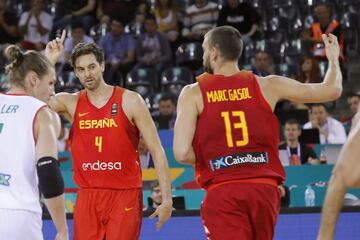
pixel 163 212
pixel 332 48
pixel 55 48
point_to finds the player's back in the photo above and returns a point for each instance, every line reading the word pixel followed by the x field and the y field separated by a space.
pixel 18 178
pixel 237 134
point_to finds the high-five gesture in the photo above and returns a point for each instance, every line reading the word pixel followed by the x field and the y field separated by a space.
pixel 332 48
pixel 55 48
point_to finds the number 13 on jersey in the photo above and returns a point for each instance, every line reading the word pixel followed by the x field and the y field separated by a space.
pixel 241 124
pixel 98 143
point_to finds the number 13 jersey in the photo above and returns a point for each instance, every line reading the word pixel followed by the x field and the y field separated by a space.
pixel 237 134
pixel 104 145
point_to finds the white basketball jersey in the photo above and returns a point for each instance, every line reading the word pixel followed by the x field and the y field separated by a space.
pixel 18 177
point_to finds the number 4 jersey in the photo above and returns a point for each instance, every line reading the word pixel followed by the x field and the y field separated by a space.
pixel 237 134
pixel 104 145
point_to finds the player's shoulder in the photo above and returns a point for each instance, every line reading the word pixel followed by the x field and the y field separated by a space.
pixel 191 89
pixel 132 98
pixel 47 115
pixel 67 97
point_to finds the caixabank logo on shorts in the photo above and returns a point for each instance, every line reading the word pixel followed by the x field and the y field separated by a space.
pixel 239 159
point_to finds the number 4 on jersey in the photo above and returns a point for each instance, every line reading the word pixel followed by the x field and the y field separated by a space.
pixel 98 143
pixel 241 124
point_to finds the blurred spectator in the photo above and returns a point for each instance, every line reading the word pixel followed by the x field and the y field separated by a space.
pixel 199 18
pixel 63 143
pixel 309 70
pixel 70 10
pixel 263 64
pixel 323 24
pixel 8 26
pixel 155 197
pixel 153 48
pixel 144 155
pixel 331 130
pixel 77 36
pixel 35 25
pixel 353 101
pixel 165 117
pixel 298 153
pixel 166 17
pixel 109 9
pixel 119 49
pixel 243 17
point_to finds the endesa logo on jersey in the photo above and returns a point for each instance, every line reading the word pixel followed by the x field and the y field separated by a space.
pixel 239 159
pixel 101 166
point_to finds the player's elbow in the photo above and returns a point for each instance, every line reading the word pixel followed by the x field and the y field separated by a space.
pixel 336 92
pixel 181 154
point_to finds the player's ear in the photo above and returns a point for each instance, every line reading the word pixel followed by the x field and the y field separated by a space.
pixel 102 66
pixel 31 77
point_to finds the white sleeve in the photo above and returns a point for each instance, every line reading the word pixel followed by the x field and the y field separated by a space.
pixel 337 133
pixel 23 18
pixel 307 125
pixel 46 20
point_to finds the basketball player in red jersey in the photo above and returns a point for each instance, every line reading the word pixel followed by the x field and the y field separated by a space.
pixel 106 123
pixel 226 127
pixel 346 174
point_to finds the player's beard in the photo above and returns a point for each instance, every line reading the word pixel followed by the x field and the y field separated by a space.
pixel 207 66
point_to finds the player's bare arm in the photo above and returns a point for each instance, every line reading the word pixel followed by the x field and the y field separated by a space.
pixel 47 130
pixel 136 110
pixel 346 174
pixel 64 104
pixel 187 113
pixel 275 88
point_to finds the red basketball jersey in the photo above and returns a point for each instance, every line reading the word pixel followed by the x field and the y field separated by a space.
pixel 237 134
pixel 104 145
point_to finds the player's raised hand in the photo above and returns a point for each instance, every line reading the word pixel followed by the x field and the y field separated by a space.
pixel 55 48
pixel 332 48
pixel 163 212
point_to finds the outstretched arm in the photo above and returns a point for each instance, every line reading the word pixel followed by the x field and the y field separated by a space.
pixel 330 89
pixel 346 174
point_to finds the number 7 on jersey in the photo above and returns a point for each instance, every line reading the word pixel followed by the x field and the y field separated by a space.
pixel 241 124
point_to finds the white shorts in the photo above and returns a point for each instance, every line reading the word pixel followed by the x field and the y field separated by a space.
pixel 20 225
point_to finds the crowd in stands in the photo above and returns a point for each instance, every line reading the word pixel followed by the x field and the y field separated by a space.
pixel 154 47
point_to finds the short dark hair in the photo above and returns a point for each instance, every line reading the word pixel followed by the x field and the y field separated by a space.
pixel 352 94
pixel 317 105
pixel 166 97
pixel 77 24
pixel 150 16
pixel 293 121
pixel 228 40
pixel 154 184
pixel 118 19
pixel 85 49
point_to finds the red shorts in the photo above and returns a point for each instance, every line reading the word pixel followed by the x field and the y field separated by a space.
pixel 108 214
pixel 246 211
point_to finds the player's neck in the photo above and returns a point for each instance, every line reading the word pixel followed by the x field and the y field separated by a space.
pixel 102 90
pixel 227 69
pixel 17 90
pixel 293 143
